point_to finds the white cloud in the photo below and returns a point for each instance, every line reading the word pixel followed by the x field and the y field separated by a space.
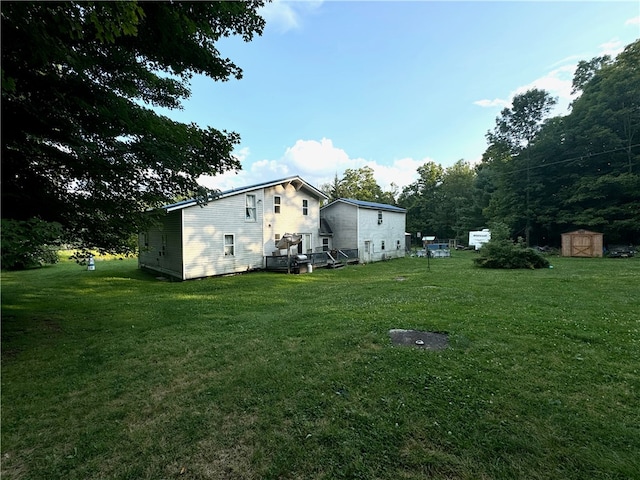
pixel 284 15
pixel 558 83
pixel 318 162
pixel 496 102
pixel 402 172
pixel 319 158
pixel 613 47
pixel 633 21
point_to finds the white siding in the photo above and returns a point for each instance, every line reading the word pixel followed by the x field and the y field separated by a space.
pixel 160 249
pixel 390 231
pixel 353 226
pixel 191 242
pixel 291 218
pixel 343 219
pixel 204 231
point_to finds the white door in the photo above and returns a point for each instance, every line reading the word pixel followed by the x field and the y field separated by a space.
pixel 306 241
pixel 367 251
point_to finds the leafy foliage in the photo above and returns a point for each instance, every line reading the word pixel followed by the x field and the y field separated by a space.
pixel 502 252
pixel 358 184
pixel 30 243
pixel 441 202
pixel 575 171
pixel 518 125
pixel 83 147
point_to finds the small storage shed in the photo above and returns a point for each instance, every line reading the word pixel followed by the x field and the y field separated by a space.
pixel 582 243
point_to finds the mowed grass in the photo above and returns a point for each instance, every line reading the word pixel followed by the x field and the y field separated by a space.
pixel 115 374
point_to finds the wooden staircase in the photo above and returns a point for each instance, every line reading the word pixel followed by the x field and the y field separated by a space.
pixel 335 262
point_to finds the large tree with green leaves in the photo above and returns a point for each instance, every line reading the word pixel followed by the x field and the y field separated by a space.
pixel 601 140
pixel 457 213
pixel 515 130
pixel 421 197
pixel 576 171
pixel 81 144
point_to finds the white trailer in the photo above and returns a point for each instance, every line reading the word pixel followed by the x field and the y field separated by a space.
pixel 479 238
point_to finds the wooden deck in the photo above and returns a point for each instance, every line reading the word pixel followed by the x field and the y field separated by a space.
pixel 329 259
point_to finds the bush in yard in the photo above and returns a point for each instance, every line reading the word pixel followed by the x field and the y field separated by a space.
pixel 30 243
pixel 502 252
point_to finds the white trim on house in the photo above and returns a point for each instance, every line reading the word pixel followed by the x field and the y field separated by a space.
pixel 193 233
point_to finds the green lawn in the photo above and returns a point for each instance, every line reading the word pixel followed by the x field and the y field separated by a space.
pixel 115 374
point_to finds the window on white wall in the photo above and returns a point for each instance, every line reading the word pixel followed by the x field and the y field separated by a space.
pixel 250 208
pixel 229 245
pixel 397 244
pixel 276 204
pixel 305 207
pixel 382 245
pixel 379 217
pixel 325 244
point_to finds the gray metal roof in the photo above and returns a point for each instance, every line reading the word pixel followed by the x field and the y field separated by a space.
pixel 371 205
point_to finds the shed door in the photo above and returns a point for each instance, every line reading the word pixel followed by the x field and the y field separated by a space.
pixel 581 246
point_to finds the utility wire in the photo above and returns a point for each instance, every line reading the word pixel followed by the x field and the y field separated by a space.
pixel 589 155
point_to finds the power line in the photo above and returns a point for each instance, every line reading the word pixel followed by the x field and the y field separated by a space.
pixel 590 155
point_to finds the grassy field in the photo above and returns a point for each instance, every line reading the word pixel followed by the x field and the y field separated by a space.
pixel 113 374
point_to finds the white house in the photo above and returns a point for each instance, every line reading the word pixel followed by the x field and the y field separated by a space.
pixel 234 231
pixel 377 230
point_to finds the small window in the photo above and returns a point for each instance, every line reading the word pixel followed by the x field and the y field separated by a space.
pixel 382 245
pixel 250 208
pixel 325 244
pixel 397 244
pixel 305 207
pixel 379 217
pixel 276 204
pixel 229 245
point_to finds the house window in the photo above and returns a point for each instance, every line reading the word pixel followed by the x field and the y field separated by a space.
pixel 325 244
pixel 379 217
pixel 276 204
pixel 229 245
pixel 382 245
pixel 250 208
pixel 145 239
pixel 305 207
pixel 397 244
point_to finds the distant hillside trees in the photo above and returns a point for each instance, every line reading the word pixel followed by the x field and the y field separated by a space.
pixel 441 202
pixel 580 170
pixel 544 176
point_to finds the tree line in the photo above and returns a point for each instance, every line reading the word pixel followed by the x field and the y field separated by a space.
pixel 86 156
pixel 540 176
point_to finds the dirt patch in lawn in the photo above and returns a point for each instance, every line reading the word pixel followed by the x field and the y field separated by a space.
pixel 419 339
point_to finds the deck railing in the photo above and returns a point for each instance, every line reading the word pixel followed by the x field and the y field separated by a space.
pixel 317 259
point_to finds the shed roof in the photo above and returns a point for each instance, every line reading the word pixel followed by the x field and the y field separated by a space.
pixel 365 204
pixel 296 181
pixel 582 231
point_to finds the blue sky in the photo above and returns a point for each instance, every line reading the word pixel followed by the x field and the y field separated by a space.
pixel 393 84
